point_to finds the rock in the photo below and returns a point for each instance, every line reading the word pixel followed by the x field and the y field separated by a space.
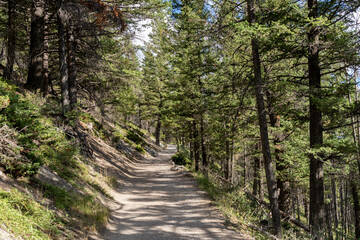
pixel 177 168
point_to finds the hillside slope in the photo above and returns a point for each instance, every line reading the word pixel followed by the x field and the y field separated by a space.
pixel 57 172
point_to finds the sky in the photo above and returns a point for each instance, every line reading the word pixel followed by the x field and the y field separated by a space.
pixel 142 36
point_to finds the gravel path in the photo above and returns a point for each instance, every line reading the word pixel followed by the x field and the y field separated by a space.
pixel 157 204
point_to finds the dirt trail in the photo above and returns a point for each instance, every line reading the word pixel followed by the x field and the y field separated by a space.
pixel 157 204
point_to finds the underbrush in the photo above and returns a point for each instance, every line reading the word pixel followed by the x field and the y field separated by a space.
pixel 36 138
pixel 32 134
pixel 181 158
pixel 241 211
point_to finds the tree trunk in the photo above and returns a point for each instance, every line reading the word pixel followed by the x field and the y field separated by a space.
pixel 203 148
pixel 45 85
pixel 256 183
pixel 341 190
pixel 196 146
pixel 64 76
pixel 354 189
pixel 191 146
pixel 281 165
pixel 227 160
pixel 334 203
pixel 244 165
pixel 71 46
pixel 355 195
pixel 158 130
pixel 11 41
pixel 35 72
pixel 158 124
pixel 271 184
pixel 317 205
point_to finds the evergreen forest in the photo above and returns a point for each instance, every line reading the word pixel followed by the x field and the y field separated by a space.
pixel 260 97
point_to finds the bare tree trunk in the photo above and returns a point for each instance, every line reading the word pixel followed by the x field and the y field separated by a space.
pixel 11 40
pixel 45 86
pixel 35 72
pixel 271 183
pixel 71 46
pixel 64 76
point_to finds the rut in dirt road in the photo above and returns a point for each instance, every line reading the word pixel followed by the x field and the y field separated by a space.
pixel 158 204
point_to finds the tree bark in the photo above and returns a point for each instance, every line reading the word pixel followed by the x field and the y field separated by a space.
pixel 71 46
pixel 334 203
pixel 11 41
pixel 196 146
pixel 64 75
pixel 317 205
pixel 354 189
pixel 203 147
pixel 158 130
pixel 271 184
pixel 45 85
pixel 281 165
pixel 35 71
pixel 227 161
pixel 355 195
pixel 256 183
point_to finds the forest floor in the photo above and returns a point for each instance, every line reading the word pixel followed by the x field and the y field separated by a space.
pixel 151 201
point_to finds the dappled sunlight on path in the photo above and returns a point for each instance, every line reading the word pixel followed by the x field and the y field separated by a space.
pixel 158 203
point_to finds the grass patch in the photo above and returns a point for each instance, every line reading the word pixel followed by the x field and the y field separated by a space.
pixel 86 208
pixel 111 181
pixel 26 218
pixel 99 188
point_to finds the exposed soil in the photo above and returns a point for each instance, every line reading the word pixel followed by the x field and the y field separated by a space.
pixel 153 202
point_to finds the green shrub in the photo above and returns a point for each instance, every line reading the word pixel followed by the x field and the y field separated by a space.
pixel 140 149
pixel 180 159
pixel 133 136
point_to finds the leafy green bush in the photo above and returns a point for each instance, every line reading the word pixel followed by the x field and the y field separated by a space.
pixel 180 159
pixel 133 136
pixel 140 149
